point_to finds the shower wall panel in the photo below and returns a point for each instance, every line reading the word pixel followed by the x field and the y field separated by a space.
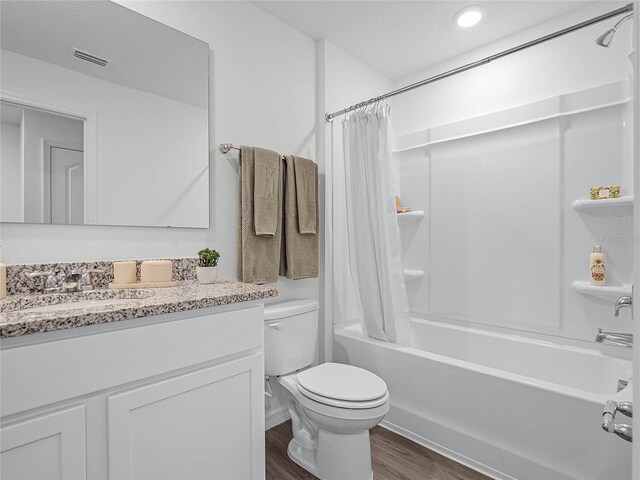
pixel 500 242
pixel 495 227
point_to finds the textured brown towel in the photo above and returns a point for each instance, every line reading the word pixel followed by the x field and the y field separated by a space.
pixel 299 256
pixel 266 178
pixel 306 173
pixel 258 256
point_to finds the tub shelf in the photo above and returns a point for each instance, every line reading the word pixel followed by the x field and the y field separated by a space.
pixel 612 207
pixel 410 275
pixel 410 217
pixel 607 292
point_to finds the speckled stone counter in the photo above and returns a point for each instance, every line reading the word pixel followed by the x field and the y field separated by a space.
pixel 138 303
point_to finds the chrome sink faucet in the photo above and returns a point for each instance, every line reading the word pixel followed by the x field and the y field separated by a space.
pixel 51 282
pixel 78 280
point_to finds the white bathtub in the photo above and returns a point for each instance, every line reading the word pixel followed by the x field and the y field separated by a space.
pixel 508 406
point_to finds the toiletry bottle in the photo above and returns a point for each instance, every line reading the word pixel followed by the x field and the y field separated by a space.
pixel 597 266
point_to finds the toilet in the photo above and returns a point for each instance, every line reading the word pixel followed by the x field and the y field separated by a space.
pixel 332 406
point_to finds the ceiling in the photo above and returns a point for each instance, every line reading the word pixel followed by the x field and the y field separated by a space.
pixel 398 38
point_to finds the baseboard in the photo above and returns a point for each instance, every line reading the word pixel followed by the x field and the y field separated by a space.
pixel 276 417
pixel 490 472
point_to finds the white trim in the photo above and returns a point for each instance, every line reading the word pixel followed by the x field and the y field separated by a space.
pixel 90 146
pixel 91 169
pixel 511 125
pixel 46 172
pixel 325 154
pixel 636 294
pixel 561 106
pixel 276 417
pixel 455 456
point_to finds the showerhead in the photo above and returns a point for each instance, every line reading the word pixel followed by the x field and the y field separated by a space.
pixel 606 38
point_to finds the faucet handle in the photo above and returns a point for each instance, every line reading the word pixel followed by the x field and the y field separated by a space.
pixel 609 416
pixel 95 270
pixel 38 273
pixel 50 284
pixel 86 280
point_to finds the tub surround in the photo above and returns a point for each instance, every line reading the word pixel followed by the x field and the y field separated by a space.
pixel 18 283
pixel 188 295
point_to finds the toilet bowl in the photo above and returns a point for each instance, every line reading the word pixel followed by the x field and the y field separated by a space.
pixel 332 406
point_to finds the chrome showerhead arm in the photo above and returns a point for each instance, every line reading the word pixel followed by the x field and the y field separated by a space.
pixel 606 38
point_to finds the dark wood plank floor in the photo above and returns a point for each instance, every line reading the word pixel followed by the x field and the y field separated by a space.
pixel 393 458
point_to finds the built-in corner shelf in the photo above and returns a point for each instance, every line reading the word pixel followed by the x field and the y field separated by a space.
pixel 607 292
pixel 410 275
pixel 612 207
pixel 410 217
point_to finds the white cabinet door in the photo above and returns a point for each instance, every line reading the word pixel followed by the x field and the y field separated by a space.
pixel 51 446
pixel 208 424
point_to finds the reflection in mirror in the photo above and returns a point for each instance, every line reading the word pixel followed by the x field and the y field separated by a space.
pixel 42 168
pixel 104 117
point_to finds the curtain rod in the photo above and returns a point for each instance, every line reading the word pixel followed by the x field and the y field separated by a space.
pixel 484 61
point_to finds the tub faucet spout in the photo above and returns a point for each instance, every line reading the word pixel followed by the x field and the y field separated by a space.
pixel 613 338
pixel 624 301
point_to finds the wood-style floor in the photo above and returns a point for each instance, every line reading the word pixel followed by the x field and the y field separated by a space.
pixel 393 458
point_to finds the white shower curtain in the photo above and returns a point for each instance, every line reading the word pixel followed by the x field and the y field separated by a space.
pixel 367 259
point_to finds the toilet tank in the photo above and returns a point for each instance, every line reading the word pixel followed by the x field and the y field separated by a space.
pixel 290 334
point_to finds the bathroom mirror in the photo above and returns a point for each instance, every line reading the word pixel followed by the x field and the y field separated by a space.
pixel 104 117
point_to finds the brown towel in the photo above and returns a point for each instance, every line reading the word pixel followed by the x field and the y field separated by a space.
pixel 258 256
pixel 266 189
pixel 306 173
pixel 299 253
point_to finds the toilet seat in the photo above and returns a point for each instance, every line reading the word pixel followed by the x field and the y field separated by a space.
pixel 342 386
pixel 347 414
pixel 333 402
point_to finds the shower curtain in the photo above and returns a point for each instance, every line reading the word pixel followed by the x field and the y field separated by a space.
pixel 367 259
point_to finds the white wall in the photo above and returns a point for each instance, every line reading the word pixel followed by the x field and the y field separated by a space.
pixel 162 178
pixel 262 92
pixel 11 207
pixel 566 64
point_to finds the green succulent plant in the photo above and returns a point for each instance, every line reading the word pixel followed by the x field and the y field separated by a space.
pixel 208 257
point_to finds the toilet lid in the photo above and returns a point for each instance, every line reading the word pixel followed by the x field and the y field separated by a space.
pixel 343 403
pixel 342 382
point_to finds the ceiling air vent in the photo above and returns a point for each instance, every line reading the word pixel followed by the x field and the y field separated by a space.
pixel 90 57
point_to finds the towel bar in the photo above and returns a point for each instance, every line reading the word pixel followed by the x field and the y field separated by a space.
pixel 225 147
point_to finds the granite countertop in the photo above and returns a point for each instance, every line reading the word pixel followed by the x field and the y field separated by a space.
pixel 134 303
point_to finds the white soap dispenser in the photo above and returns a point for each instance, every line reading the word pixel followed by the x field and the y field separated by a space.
pixel 597 268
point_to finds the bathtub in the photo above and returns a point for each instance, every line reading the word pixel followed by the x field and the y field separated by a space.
pixel 508 406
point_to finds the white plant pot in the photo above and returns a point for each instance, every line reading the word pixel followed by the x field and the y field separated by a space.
pixel 207 274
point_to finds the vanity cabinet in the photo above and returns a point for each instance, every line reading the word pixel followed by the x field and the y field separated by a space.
pixel 50 446
pixel 165 397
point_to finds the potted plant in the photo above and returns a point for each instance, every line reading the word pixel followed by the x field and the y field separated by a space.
pixel 207 269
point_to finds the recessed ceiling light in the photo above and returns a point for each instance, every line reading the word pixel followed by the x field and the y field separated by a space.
pixel 468 16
